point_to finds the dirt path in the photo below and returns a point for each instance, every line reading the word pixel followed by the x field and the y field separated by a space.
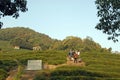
pixel 68 63
pixel 29 75
pixel 12 74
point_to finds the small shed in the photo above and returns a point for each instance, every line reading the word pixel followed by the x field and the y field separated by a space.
pixel 16 47
pixel 36 48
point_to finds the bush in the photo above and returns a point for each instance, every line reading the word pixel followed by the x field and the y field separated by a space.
pixel 3 74
pixel 7 64
pixel 42 76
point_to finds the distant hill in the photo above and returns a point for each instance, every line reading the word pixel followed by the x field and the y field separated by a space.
pixel 27 39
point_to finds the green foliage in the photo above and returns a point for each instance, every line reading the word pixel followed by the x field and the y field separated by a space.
pixel 21 42
pixel 25 38
pixel 92 45
pixel 19 73
pixel 109 13
pixel 3 74
pixel 51 57
pixel 76 43
pixel 97 59
pixel 10 60
pixel 5 46
pixel 12 8
pixel 102 63
pixel 42 76
pixel 72 43
pixel 73 73
pixel 99 66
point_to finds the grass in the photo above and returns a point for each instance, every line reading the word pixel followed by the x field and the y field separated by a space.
pixel 99 66
pixel 19 73
pixel 103 63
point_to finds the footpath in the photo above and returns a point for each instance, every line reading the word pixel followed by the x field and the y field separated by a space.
pixel 30 74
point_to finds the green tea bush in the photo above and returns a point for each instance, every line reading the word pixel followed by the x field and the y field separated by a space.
pixel 42 76
pixel 7 64
pixel 3 74
pixel 100 66
pixel 78 72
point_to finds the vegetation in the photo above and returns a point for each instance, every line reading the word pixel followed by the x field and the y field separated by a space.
pixel 19 73
pixel 100 63
pixel 99 66
pixel 9 60
pixel 12 8
pixel 109 13
pixel 3 74
pixel 26 38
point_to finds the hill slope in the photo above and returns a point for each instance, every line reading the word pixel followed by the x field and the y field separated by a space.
pixel 25 38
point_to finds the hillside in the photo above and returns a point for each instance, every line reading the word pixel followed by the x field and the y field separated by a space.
pixel 98 66
pixel 99 63
pixel 25 38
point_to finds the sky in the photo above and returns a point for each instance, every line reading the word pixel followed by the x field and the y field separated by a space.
pixel 61 18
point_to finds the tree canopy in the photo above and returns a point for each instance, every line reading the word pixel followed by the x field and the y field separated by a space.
pixel 12 8
pixel 27 38
pixel 109 22
pixel 108 11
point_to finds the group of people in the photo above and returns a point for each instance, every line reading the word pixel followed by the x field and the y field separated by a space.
pixel 74 55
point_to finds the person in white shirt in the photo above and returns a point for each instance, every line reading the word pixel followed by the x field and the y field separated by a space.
pixel 78 52
pixel 79 59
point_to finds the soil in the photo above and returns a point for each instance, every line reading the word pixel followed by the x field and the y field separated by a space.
pixel 12 74
pixel 30 74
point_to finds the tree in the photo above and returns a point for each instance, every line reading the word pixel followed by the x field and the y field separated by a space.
pixel 110 49
pixel 89 44
pixel 12 8
pixel 109 22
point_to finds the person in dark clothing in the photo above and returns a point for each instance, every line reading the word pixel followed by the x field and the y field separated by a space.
pixel 75 55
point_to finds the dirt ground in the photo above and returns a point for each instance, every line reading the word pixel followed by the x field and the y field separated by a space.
pixel 30 74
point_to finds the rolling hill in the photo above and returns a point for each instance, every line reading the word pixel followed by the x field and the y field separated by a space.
pixel 27 38
pixel 100 64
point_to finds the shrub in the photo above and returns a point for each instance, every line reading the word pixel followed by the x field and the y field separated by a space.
pixel 3 74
